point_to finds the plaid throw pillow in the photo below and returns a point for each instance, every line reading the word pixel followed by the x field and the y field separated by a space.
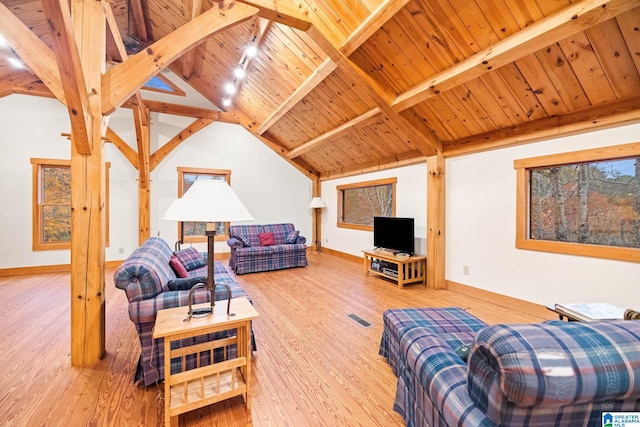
pixel 242 239
pixel 292 237
pixel 190 258
pixel 184 284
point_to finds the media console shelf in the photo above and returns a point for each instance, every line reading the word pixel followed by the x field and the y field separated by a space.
pixel 409 269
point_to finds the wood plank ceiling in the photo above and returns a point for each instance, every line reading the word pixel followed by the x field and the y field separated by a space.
pixel 345 86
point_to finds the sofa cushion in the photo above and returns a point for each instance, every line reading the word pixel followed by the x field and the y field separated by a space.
pixel 190 258
pixel 181 284
pixel 557 364
pixel 177 267
pixel 266 239
pixel 243 239
pixel 292 237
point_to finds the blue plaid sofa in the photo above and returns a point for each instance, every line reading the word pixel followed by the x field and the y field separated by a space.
pixel 549 374
pixel 248 256
pixel 145 276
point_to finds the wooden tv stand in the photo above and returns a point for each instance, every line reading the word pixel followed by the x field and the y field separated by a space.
pixel 410 270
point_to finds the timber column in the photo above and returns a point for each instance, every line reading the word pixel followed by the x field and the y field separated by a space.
pixel 435 222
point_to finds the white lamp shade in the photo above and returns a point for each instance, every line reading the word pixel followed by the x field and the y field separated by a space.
pixel 208 200
pixel 317 202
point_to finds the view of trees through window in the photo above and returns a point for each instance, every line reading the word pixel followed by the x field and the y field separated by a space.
pixel 596 203
pixel 56 204
pixel 361 202
pixel 198 229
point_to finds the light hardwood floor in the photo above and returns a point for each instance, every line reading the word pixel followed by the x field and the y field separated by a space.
pixel 315 366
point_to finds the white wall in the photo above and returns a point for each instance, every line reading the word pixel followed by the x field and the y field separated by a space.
pixel 411 201
pixel 271 189
pixel 481 209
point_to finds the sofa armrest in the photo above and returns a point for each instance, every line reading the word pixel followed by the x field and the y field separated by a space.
pixel 234 243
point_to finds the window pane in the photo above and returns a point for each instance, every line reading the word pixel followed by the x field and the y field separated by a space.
pixel 56 224
pixel 56 184
pixel 360 205
pixel 596 203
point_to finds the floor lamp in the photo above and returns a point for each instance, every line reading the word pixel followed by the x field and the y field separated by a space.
pixel 316 204
pixel 210 201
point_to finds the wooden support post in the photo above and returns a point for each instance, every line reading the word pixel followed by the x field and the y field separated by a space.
pixel 143 136
pixel 317 218
pixel 435 222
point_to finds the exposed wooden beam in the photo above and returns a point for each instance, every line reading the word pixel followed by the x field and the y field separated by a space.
pixel 192 9
pixel 167 148
pixel 35 88
pixel 33 51
pixel 334 133
pixel 138 17
pixel 114 31
pixel 436 189
pixel 405 159
pixel 16 79
pixel 126 150
pixel 385 11
pixel 286 13
pixel 143 142
pixel 425 142
pixel 185 110
pixel 71 73
pixel 615 113
pixel 119 83
pixel 570 20
pixel 321 73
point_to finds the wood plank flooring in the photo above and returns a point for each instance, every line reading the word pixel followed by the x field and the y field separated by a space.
pixel 315 366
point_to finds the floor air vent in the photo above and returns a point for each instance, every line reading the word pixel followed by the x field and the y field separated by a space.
pixel 360 320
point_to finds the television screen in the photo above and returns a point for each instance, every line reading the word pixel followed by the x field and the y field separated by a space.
pixel 394 234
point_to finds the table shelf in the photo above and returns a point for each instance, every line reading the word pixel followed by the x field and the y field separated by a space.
pixel 410 269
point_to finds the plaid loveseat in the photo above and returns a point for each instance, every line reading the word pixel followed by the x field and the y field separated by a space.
pixel 549 374
pixel 144 276
pixel 248 256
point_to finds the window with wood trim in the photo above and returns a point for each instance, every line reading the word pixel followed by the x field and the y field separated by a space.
pixel 581 203
pixel 359 202
pixel 52 204
pixel 191 232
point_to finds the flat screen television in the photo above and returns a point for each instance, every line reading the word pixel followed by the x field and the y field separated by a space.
pixel 394 234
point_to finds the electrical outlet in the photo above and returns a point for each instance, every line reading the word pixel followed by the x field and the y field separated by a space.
pixel 465 270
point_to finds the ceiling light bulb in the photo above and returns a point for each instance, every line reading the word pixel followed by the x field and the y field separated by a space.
pixel 238 72
pixel 230 88
pixel 3 41
pixel 16 62
pixel 226 102
pixel 251 51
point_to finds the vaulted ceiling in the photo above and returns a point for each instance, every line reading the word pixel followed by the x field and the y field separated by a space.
pixel 346 86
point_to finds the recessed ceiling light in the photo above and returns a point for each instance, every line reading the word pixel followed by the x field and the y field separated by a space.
pixel 230 88
pixel 226 102
pixel 251 51
pixel 3 41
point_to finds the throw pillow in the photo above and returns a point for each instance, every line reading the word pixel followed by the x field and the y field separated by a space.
pixel 266 239
pixel 177 267
pixel 292 237
pixel 242 239
pixel 190 258
pixel 184 284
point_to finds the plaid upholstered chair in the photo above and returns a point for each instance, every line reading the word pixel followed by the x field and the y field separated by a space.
pixel 151 284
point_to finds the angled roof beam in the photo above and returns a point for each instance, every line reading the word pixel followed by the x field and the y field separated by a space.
pixel 334 133
pixel 286 13
pixel 184 110
pixel 570 20
pixel 119 83
pixel 126 150
pixel 138 17
pixel 167 148
pixel 385 11
pixel 192 9
pixel 321 73
pixel 71 74
pixel 33 51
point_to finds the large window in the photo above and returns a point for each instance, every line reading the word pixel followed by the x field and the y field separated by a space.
pixel 583 203
pixel 52 204
pixel 189 232
pixel 358 203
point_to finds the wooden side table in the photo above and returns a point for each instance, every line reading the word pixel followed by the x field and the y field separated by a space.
pixel 409 269
pixel 204 385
